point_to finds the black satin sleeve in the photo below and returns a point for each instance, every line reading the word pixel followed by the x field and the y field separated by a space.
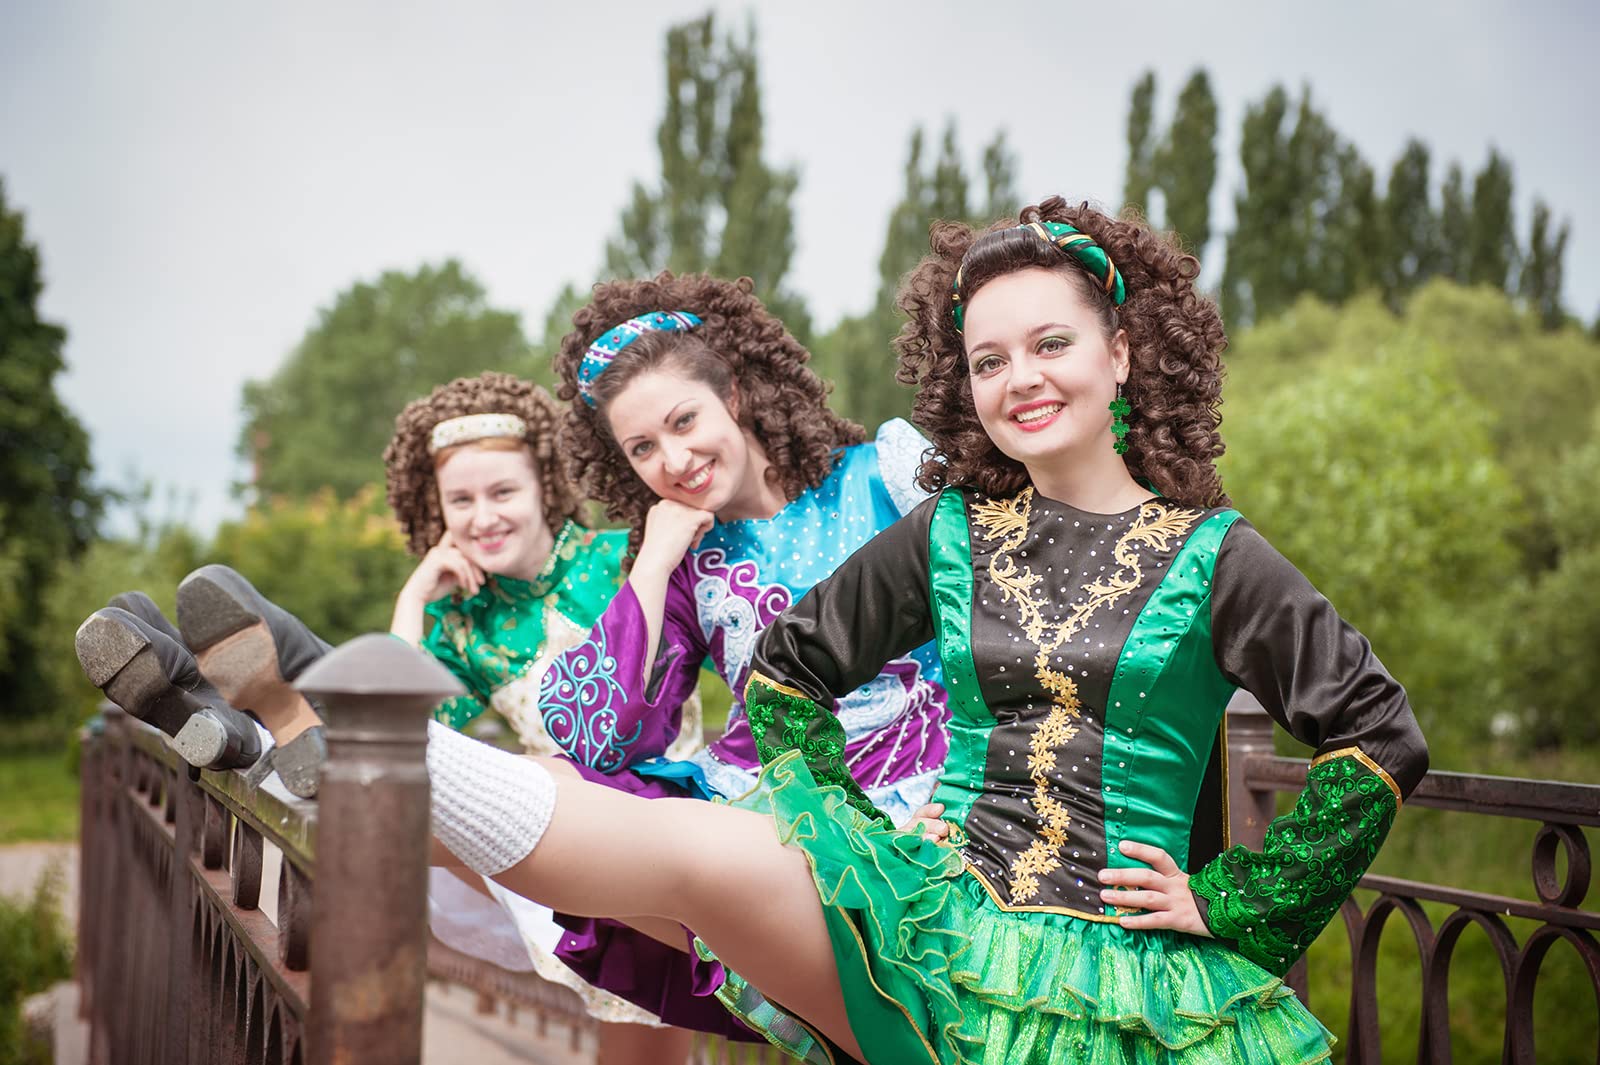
pixel 1280 639
pixel 874 608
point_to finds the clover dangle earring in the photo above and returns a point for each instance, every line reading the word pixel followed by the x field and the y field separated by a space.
pixel 1120 409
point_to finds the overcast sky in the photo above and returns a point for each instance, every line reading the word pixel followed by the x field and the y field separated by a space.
pixel 200 178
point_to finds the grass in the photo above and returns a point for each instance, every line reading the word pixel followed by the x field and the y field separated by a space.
pixel 38 794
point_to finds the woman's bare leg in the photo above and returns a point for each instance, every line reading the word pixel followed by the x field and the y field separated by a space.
pixel 684 860
pixel 606 853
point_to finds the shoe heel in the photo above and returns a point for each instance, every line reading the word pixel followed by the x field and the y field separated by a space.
pixel 299 762
pixel 105 648
pixel 122 663
pixel 243 666
pixel 211 740
pixel 203 741
pixel 208 613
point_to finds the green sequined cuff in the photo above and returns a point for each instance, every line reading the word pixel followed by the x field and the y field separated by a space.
pixel 1271 905
pixel 458 711
pixel 783 719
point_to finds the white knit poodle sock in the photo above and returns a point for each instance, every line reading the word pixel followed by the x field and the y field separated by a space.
pixel 490 807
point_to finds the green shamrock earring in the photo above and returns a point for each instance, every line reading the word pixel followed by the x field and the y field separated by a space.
pixel 1120 409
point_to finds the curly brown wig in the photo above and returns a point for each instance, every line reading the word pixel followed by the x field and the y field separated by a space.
pixel 413 489
pixel 1175 341
pixel 740 349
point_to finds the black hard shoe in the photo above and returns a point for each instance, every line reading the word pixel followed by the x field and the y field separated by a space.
pixel 154 678
pixel 144 608
pixel 299 762
pixel 216 603
pixel 252 649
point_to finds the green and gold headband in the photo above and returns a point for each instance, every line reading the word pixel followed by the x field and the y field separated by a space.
pixel 1079 245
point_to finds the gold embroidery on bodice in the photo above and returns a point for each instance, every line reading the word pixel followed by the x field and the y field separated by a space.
pixel 1155 528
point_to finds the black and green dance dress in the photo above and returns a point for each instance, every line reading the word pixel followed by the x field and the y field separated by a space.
pixel 1089 658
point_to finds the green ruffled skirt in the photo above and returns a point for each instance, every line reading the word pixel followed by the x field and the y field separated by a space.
pixel 934 971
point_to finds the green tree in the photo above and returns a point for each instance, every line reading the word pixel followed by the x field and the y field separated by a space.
pixel 1543 271
pixel 949 186
pixel 719 205
pixel 1559 618
pixel 1409 249
pixel 1186 165
pixel 337 564
pixel 1347 262
pixel 1376 475
pixel 999 181
pixel 1455 227
pixel 324 418
pixel 48 509
pixel 1291 181
pixel 1141 176
pixel 1305 217
pixel 1492 238
pixel 1541 386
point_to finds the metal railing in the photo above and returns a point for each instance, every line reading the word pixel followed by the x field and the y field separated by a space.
pixel 177 963
pixel 1560 810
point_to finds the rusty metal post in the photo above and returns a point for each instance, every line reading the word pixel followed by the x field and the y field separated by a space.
pixel 369 923
pixel 189 801
pixel 1249 736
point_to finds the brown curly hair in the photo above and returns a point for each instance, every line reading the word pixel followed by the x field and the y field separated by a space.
pixel 413 488
pixel 1175 341
pixel 740 349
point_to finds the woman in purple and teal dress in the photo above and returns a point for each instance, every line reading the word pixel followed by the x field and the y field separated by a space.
pixel 697 422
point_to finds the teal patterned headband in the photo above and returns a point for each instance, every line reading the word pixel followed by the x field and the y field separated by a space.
pixel 1077 244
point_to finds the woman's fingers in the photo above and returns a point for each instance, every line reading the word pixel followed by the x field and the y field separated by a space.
pixel 1138 900
pixel 1155 857
pixel 1132 877
pixel 1161 891
pixel 1150 919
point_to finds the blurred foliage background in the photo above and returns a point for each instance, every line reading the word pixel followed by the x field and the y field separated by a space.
pixel 1413 418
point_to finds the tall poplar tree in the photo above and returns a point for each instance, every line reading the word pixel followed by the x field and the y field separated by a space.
pixel 1543 270
pixel 48 509
pixel 856 354
pixel 1411 237
pixel 1186 165
pixel 1455 226
pixel 1492 239
pixel 1141 176
pixel 718 205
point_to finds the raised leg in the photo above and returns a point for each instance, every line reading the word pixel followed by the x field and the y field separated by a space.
pixel 588 850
